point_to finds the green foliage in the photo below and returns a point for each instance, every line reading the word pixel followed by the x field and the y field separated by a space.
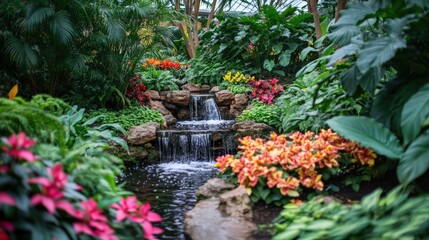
pixel 128 117
pixel 266 44
pixel 395 216
pixel 50 104
pixel 238 89
pixel 20 116
pixel 262 113
pixel 377 35
pixel 159 80
pixel 207 70
pixel 85 46
pixel 306 104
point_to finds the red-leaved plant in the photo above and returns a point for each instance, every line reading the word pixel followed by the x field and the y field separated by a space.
pixel 38 200
pixel 265 90
pixel 136 90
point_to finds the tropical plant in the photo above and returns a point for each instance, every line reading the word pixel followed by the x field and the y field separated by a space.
pixel 237 88
pixel 204 71
pixel 373 36
pixel 266 44
pixel 394 216
pixel 279 168
pixel 262 113
pixel 84 48
pixel 41 201
pixel 137 91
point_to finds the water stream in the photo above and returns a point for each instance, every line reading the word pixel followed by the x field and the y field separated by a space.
pixel 187 155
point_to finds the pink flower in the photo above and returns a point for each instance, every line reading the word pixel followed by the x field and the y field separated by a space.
pixel 5 198
pixel 251 46
pixel 93 222
pixel 127 205
pixel 18 147
pixel 58 175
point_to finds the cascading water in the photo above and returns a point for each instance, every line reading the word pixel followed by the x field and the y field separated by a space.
pixel 208 136
pixel 187 154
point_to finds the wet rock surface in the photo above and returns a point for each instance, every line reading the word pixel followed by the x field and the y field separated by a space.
pixel 142 134
pixel 251 128
pixel 224 97
pixel 214 187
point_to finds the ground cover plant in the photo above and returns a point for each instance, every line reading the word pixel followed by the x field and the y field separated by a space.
pixel 397 215
pixel 127 117
pixel 262 113
pixel 278 169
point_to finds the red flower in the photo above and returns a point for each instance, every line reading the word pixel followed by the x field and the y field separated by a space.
pixel 18 147
pixel 125 208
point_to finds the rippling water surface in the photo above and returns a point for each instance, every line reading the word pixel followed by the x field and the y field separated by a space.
pixel 170 189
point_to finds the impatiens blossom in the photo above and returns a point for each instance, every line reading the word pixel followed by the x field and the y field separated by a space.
pixel 18 145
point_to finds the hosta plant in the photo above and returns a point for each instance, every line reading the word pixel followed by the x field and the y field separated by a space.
pixel 39 200
pixel 265 90
pixel 283 166
pixel 394 216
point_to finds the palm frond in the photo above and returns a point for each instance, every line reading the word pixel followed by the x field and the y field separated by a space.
pixel 62 27
pixel 21 52
pixel 37 17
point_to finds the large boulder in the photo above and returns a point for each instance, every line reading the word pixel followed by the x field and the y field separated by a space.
pixel 159 106
pixel 142 134
pixel 195 88
pixel 179 98
pixel 251 128
pixel 238 105
pixel 214 89
pixel 224 97
pixel 206 222
pixel 236 203
pixel 153 94
pixel 214 187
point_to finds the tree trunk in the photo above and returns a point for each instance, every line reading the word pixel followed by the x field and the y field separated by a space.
pixel 177 5
pixel 341 4
pixel 312 7
pixel 211 15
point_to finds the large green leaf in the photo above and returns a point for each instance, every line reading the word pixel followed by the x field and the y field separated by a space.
pixel 268 64
pixel 368 133
pixel 415 160
pixel 284 58
pixel 414 113
pixel 376 52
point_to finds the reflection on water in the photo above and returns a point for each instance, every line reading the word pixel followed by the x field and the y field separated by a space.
pixel 170 189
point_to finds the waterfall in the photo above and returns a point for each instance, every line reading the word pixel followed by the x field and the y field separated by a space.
pixel 202 138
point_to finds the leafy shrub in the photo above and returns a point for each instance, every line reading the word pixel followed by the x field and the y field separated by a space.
pixel 265 44
pixel 202 72
pixel 281 166
pixel 41 201
pixel 306 105
pixel 395 216
pixel 159 80
pixel 265 90
pixel 262 113
pixel 128 117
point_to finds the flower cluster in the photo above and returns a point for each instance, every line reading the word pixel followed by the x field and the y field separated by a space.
pixel 265 90
pixel 288 162
pixel 136 90
pixel 129 208
pixel 237 77
pixel 167 64
pixel 57 201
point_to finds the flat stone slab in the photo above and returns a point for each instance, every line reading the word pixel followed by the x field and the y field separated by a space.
pixel 205 222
